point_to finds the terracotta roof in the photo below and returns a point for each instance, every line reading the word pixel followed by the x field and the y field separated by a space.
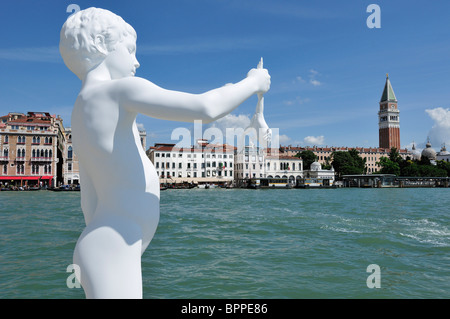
pixel 284 157
pixel 339 148
pixel 160 147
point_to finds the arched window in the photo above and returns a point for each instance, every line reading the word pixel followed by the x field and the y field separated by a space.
pixel 46 140
pixel 34 139
pixel 46 153
pixel 5 152
pixel 33 153
pixel 50 154
pixel 42 153
pixel 69 152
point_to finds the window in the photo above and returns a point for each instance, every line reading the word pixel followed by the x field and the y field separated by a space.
pixel 69 167
pixel 156 154
pixel 5 169
pixel 180 165
pixel 69 153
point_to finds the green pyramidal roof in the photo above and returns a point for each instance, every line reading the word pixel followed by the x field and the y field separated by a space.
pixel 388 92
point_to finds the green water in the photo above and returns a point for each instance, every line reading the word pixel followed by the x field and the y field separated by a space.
pixel 234 243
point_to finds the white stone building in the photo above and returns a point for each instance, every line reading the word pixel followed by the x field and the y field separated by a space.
pixel 200 164
pixel 443 155
pixel 257 163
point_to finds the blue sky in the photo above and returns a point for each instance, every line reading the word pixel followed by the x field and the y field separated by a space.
pixel 328 68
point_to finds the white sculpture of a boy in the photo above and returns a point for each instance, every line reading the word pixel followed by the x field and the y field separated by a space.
pixel 119 184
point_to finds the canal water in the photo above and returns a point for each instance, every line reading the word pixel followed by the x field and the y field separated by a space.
pixel 239 243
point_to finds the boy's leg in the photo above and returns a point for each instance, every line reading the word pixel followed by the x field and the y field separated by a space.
pixel 109 257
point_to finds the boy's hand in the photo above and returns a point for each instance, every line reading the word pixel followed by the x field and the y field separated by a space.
pixel 261 78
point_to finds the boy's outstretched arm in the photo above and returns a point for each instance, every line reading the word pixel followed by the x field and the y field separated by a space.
pixel 141 96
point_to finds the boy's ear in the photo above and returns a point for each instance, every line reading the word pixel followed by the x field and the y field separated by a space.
pixel 100 44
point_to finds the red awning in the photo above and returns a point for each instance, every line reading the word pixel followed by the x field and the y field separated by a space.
pixel 25 178
pixel 10 178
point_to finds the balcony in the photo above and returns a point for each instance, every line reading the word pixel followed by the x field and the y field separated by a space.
pixel 41 159
pixel 4 158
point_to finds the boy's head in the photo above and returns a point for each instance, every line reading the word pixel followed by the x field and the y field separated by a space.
pixel 88 36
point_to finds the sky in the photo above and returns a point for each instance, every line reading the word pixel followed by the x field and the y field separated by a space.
pixel 327 67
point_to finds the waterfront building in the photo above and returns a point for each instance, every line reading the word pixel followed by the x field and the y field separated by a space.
pixel 71 168
pixel 323 154
pixel 443 155
pixel 389 118
pixel 317 176
pixel 255 162
pixel 202 163
pixel 31 149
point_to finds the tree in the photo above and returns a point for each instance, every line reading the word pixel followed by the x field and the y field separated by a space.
pixel 388 166
pixel 444 166
pixel 308 158
pixel 348 163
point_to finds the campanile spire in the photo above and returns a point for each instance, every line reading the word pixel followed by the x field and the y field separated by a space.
pixel 388 118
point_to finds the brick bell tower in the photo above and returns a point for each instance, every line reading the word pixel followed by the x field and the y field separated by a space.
pixel 388 118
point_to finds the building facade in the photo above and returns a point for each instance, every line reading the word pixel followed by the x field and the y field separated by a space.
pixel 71 169
pixel 254 162
pixel 199 164
pixel 323 154
pixel 389 118
pixel 31 149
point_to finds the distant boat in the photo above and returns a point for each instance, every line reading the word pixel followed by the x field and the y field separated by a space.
pixel 65 188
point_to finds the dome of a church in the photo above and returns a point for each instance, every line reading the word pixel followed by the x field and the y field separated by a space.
pixel 316 166
pixel 444 151
pixel 415 153
pixel 429 152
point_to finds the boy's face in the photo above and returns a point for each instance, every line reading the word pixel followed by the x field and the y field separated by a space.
pixel 122 61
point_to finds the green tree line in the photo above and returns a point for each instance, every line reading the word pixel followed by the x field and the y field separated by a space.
pixel 395 164
pixel 351 163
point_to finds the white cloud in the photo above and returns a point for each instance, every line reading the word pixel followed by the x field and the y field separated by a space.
pixel 314 140
pixel 283 139
pixel 232 121
pixel 38 54
pixel 140 126
pixel 440 132
pixel 297 101
pixel 313 74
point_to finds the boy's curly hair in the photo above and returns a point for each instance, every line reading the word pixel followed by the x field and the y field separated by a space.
pixel 77 38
